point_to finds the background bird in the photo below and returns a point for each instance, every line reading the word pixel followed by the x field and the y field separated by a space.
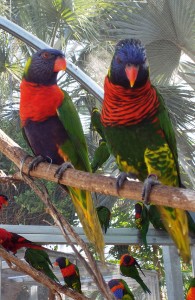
pixel 104 216
pixel 39 260
pixel 142 220
pixel 54 132
pixel 128 267
pixel 12 241
pixel 191 290
pixel 120 289
pixel 139 132
pixel 3 201
pixel 101 155
pixel 70 273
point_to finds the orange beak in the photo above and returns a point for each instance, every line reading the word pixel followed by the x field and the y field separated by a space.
pixel 55 264
pixel 60 64
pixel 131 72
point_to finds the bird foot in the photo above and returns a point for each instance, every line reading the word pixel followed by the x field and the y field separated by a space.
pixel 149 182
pixel 59 172
pixel 122 177
pixel 35 162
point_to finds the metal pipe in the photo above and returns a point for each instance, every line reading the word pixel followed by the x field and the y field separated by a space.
pixel 28 38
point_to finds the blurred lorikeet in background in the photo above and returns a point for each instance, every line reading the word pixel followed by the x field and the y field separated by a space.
pixel 142 220
pixel 128 267
pixel 70 273
pixel 104 216
pixel 12 241
pixel 54 132
pixel 101 155
pixel 39 260
pixel 3 201
pixel 191 290
pixel 139 133
pixel 120 289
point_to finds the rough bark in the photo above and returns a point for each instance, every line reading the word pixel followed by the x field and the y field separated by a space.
pixel 160 195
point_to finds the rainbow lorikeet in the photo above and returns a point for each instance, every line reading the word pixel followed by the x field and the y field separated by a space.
pixel 3 201
pixel 12 241
pixel 128 267
pixel 155 217
pixel 191 290
pixel 142 220
pixel 54 132
pixel 40 260
pixel 101 155
pixel 70 273
pixel 120 289
pixel 104 216
pixel 139 132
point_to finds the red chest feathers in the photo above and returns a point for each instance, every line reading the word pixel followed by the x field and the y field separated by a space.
pixel 38 102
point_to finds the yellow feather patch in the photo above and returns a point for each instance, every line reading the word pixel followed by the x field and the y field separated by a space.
pixel 123 165
pixel 161 163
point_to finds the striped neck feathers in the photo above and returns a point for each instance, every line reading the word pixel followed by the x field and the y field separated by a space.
pixel 127 106
pixel 38 102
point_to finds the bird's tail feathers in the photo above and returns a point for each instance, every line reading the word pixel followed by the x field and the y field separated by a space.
pixel 176 223
pixel 143 285
pixel 87 214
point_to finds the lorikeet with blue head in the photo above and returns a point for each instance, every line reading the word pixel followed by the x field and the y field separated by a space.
pixel 120 289
pixel 53 129
pixel 142 220
pixel 70 273
pixel 40 260
pixel 3 201
pixel 13 242
pixel 128 267
pixel 139 132
pixel 191 290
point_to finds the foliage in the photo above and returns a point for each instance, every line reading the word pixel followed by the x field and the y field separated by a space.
pixel 88 30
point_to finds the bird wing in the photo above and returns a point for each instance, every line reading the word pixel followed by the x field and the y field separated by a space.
pixel 167 127
pixel 75 147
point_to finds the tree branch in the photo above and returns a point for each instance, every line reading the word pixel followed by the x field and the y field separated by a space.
pixel 18 265
pixel 160 195
pixel 64 226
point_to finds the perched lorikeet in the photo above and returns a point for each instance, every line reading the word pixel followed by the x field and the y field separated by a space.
pixel 139 132
pixel 191 290
pixel 39 260
pixel 120 289
pixel 54 132
pixel 3 201
pixel 70 272
pixel 100 156
pixel 104 216
pixel 155 217
pixel 128 267
pixel 12 241
pixel 96 124
pixel 142 220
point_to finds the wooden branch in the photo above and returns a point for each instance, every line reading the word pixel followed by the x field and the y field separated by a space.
pixel 18 265
pixel 64 226
pixel 160 195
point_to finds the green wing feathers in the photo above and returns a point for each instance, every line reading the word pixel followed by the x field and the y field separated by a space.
pixel 75 148
pixel 164 163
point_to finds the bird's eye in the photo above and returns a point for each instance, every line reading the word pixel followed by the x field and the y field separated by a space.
pixel 119 60
pixel 46 55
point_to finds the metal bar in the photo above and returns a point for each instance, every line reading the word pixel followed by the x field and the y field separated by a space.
pixel 28 38
pixel 114 236
pixel 173 275
pixel 193 260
